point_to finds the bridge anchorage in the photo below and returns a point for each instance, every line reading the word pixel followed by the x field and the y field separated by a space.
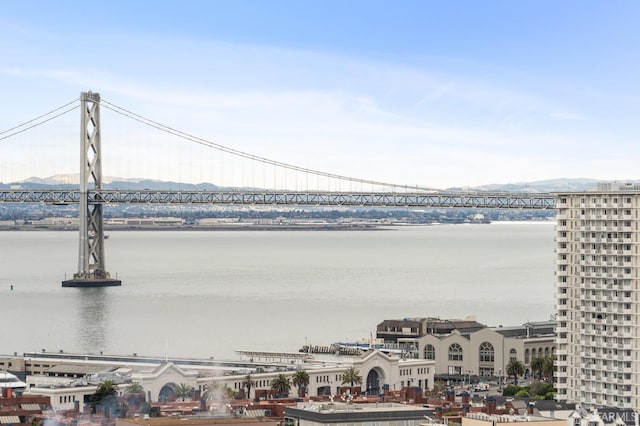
pixel 91 266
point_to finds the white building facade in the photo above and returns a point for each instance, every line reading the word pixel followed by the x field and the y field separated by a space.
pixel 597 277
pixel 487 351
pixel 378 371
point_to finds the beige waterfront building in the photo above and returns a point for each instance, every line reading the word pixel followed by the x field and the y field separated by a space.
pixel 597 290
pixel 463 348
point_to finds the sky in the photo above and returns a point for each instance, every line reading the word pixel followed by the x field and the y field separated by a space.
pixel 430 93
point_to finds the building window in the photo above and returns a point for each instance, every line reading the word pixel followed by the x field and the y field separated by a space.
pixel 429 352
pixel 454 369
pixel 486 372
pixel 455 352
pixel 486 352
pixel 512 354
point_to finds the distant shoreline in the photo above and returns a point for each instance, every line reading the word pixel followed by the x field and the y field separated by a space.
pixel 249 227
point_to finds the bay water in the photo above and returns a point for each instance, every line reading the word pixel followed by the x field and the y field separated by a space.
pixel 208 293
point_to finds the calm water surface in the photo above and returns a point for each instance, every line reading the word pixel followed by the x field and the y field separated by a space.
pixel 209 293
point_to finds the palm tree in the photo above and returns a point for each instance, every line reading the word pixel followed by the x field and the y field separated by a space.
pixel 281 385
pixel 515 368
pixel 134 395
pixel 248 383
pixel 537 364
pixel 351 375
pixel 184 391
pixel 104 396
pixel 300 379
pixel 548 367
pixel 134 387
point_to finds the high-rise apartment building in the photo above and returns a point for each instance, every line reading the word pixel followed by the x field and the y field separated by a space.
pixel 598 283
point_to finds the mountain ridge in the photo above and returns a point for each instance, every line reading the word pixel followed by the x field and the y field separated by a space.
pixel 71 181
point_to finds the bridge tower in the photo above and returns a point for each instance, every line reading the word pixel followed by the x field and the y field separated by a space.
pixel 91 266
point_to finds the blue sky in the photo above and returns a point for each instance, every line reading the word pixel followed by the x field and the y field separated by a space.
pixel 432 93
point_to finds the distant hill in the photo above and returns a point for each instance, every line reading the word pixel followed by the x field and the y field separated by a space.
pixel 550 185
pixel 70 181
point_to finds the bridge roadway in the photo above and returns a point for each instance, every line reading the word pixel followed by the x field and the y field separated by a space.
pixel 480 200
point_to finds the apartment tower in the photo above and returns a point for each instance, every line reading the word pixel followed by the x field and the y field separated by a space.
pixel 598 327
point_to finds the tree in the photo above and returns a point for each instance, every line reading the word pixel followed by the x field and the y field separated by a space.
pixel 104 397
pixel 537 365
pixel 134 387
pixel 352 376
pixel 549 367
pixel 300 379
pixel 511 390
pixel 134 398
pixel 184 391
pixel 248 383
pixel 281 386
pixel 540 388
pixel 515 368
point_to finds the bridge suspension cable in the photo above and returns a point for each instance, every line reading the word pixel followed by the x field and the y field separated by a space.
pixel 189 137
pixel 38 121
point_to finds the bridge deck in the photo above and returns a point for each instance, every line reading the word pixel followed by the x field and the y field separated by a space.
pixel 481 200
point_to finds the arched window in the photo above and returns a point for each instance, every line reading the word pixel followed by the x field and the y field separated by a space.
pixel 429 352
pixel 527 357
pixel 513 355
pixel 455 352
pixel 486 352
pixel 546 352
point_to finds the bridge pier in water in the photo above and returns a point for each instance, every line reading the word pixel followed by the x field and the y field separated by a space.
pixel 91 265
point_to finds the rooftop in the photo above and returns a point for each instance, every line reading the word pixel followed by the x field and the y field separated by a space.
pixel 336 412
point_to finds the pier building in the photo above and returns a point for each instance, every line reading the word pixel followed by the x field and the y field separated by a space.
pixel 68 379
pixel 461 348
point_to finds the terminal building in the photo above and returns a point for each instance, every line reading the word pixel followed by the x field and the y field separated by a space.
pixel 69 379
pixel 463 348
pixel 597 296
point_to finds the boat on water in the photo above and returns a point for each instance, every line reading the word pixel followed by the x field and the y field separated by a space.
pixel 8 380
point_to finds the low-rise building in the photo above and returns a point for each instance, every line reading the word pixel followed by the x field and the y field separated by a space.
pixel 68 379
pixel 482 419
pixel 20 409
pixel 331 413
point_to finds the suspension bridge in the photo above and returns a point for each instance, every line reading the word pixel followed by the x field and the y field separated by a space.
pixel 92 197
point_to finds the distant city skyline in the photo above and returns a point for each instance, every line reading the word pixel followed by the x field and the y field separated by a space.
pixel 421 93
